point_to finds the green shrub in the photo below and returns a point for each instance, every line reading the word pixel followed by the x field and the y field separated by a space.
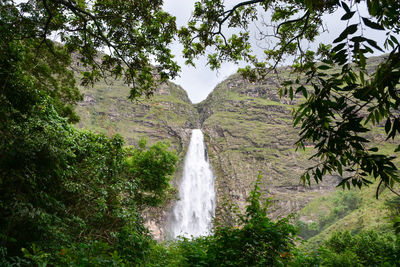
pixel 364 249
pixel 255 241
pixel 343 203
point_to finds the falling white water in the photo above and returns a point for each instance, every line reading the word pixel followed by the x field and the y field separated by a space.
pixel 193 212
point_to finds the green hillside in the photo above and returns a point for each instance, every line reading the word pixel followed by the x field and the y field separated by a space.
pixel 167 116
pixel 248 130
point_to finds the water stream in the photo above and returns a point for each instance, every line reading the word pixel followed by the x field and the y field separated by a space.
pixel 193 212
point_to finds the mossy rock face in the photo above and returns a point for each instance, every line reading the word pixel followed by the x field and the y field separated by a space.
pixel 249 131
pixel 168 115
pixel 247 127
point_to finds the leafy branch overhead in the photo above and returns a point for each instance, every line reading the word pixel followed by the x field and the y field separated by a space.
pixel 130 33
pixel 344 98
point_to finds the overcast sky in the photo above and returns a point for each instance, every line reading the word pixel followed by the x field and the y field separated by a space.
pixel 199 81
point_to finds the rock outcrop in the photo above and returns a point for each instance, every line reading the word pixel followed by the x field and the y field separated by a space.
pixel 168 115
pixel 248 131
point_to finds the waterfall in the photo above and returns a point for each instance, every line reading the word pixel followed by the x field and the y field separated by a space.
pixel 193 212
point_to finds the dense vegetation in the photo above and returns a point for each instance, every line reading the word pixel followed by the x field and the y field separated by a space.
pixel 67 193
pixel 72 197
pixel 258 241
pixel 70 190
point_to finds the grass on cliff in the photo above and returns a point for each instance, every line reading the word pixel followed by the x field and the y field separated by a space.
pixel 354 210
pixel 106 109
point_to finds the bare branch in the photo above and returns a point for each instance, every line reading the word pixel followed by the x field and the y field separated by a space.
pixel 230 12
pixel 307 16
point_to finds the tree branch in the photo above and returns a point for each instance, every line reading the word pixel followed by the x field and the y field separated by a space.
pixel 80 13
pixel 230 12
pixel 292 21
pixel 306 16
pixel 394 192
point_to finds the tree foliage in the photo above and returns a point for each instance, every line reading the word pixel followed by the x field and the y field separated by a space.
pixel 60 185
pixel 254 241
pixel 69 195
pixel 344 99
pixel 128 32
pixel 152 169
pixel 363 249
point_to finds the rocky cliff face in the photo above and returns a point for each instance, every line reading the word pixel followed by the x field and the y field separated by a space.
pixel 248 131
pixel 168 115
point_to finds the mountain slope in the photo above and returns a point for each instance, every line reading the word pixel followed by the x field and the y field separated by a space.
pixel 168 115
pixel 249 131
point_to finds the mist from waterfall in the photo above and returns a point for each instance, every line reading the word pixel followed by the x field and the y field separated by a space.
pixel 193 212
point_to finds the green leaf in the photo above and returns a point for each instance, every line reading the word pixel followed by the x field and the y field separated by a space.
pixel 363 60
pixel 340 169
pixel 397 149
pixel 291 93
pixel 346 7
pixel 338 47
pixel 388 125
pixel 372 24
pixel 324 67
pixel 349 30
pixel 374 44
pixel 304 91
pixel 394 40
pixel 348 15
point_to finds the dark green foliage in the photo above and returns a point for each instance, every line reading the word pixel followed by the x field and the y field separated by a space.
pixel 255 241
pixel 53 177
pixel 129 31
pixel 393 205
pixel 43 71
pixel 92 253
pixel 61 185
pixel 68 196
pixel 195 252
pixel 363 249
pixel 63 188
pixel 344 203
pixel 152 169
pixel 335 117
pixel 183 252
pixel 307 230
